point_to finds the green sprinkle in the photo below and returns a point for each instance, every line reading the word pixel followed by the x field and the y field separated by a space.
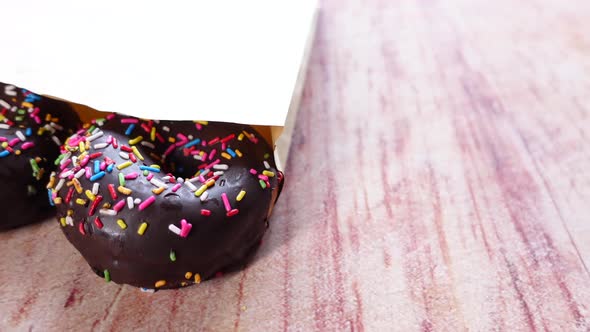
pixel 59 158
pixel 121 180
pixel 19 118
pixel 91 129
pixel 146 173
pixel 107 276
pixel 34 166
pixel 266 155
pixel 22 112
pixel 172 256
pixel 262 184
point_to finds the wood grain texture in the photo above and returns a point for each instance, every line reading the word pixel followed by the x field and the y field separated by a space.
pixel 439 180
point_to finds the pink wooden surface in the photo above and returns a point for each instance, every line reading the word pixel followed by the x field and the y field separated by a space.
pixel 439 180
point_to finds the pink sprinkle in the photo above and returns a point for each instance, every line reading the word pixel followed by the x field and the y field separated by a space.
pixel 35 112
pixel 263 177
pixel 88 172
pixel 27 145
pixel 146 203
pixel 185 228
pixel 205 212
pixel 181 137
pixel 169 150
pixel 129 120
pixel 3 139
pixel 253 171
pixel 232 212
pixel 198 125
pixel 114 142
pixel 194 152
pixel 14 141
pixel 223 146
pixel 212 154
pixel 213 163
pixel 103 166
pixel 109 139
pixel 71 176
pixel 202 179
pixel 74 141
pixel 131 176
pixel 150 176
pixel 85 160
pixel 110 116
pixel 225 202
pixel 37 119
pixel 65 164
pixel 176 187
pixel 119 206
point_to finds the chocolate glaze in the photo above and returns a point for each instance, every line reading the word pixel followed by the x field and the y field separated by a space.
pixel 23 196
pixel 216 243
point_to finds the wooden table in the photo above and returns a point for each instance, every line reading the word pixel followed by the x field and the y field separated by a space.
pixel 439 180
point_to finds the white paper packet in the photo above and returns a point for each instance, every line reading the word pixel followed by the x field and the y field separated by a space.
pixel 234 61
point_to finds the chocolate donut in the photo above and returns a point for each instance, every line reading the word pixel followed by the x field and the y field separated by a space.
pixel 32 128
pixel 165 204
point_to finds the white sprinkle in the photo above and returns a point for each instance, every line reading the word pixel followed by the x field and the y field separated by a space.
pixel 80 173
pixel 205 172
pixel 69 221
pixel 20 135
pixel 66 174
pixel 204 196
pixel 100 122
pixel 165 128
pixel 75 160
pixel 130 204
pixel 95 130
pixel 108 212
pixel 124 155
pixel 100 145
pixel 218 173
pixel 148 144
pixel 266 164
pixel 95 187
pixel 180 180
pixel 193 180
pixel 4 126
pixel 65 158
pixel 60 184
pixel 137 201
pixel 147 290
pixel 95 136
pixel 56 126
pixel 9 90
pixel 174 229
pixel 158 183
pixel 56 140
pixel 197 157
pixel 190 186
pixel 4 104
pixel 166 178
pixel 221 166
pixel 49 128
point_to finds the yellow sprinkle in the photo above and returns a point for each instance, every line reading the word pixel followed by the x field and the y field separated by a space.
pixel 197 278
pixel 241 195
pixel 82 155
pixel 17 152
pixel 57 200
pixel 106 205
pixel 268 173
pixel 155 166
pixel 210 183
pixel 171 139
pixel 80 201
pixel 158 191
pixel 183 284
pixel 77 185
pixel 238 153
pixel 26 104
pixel 153 134
pixel 124 190
pixel 136 152
pixel 4 144
pixel 121 223
pixel 201 190
pixel 70 212
pixel 225 155
pixel 90 195
pixel 82 146
pixel 203 122
pixel 47 117
pixel 160 283
pixel 62 220
pixel 40 131
pixel 136 140
pixel 142 228
pixel 240 137
pixel 124 165
pixel 188 275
